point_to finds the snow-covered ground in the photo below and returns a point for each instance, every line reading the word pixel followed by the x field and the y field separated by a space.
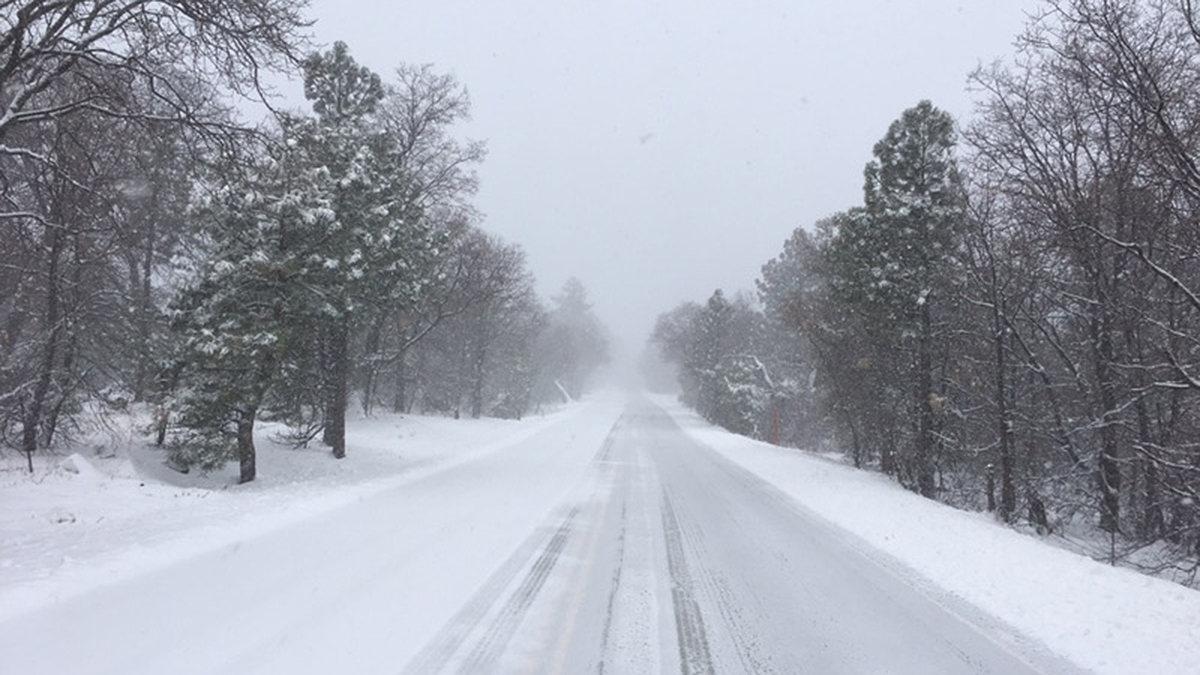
pixel 1108 620
pixel 113 510
pixel 436 536
pixel 349 574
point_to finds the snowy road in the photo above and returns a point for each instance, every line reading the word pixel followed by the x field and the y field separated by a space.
pixel 609 542
pixel 681 562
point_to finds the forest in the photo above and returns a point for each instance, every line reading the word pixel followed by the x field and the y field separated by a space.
pixel 159 252
pixel 1009 321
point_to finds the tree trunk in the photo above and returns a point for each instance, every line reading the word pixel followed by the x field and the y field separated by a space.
pixel 400 393
pixel 145 289
pixel 887 455
pixel 857 444
pixel 326 368
pixel 336 391
pixel 1008 495
pixel 62 383
pixel 62 392
pixel 33 412
pixel 162 417
pixel 1108 470
pixel 477 383
pixel 245 441
pixel 374 337
pixel 925 442
pixel 1151 522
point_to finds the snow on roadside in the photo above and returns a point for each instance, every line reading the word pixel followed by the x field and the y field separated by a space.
pixel 1105 619
pixel 112 510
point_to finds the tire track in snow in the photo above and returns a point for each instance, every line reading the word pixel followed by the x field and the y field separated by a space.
pixel 604 454
pixel 450 639
pixel 694 655
pixel 436 656
pixel 733 608
pixel 613 591
pixel 483 656
pixel 737 609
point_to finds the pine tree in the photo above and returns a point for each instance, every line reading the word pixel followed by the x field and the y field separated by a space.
pixel 575 342
pixel 708 346
pixel 378 244
pixel 790 290
pixel 894 261
pixel 237 317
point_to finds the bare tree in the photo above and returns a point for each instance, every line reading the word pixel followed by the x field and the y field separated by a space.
pixel 95 98
pixel 1092 136
pixel 165 45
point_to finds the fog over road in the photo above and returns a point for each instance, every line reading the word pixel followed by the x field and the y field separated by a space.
pixel 607 542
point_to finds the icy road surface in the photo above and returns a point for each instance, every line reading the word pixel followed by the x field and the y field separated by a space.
pixel 609 542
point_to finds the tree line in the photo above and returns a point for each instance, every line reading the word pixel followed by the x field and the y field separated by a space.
pixel 156 249
pixel 1010 320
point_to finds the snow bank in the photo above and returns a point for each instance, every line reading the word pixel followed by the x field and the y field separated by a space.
pixel 1108 620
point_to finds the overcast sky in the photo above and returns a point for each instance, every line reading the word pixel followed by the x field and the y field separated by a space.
pixel 659 149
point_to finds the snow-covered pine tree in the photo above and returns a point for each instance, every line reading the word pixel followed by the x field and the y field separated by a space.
pixel 716 348
pixel 672 337
pixel 710 333
pixel 790 289
pixel 378 244
pixel 515 373
pixel 575 342
pixel 236 318
pixel 895 263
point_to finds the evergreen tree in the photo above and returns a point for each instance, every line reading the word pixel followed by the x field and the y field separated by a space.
pixel 237 317
pixel 378 246
pixel 789 290
pixel 708 346
pixel 575 342
pixel 672 337
pixel 895 262
pixel 717 350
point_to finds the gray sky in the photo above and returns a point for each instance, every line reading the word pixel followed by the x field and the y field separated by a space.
pixel 659 149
